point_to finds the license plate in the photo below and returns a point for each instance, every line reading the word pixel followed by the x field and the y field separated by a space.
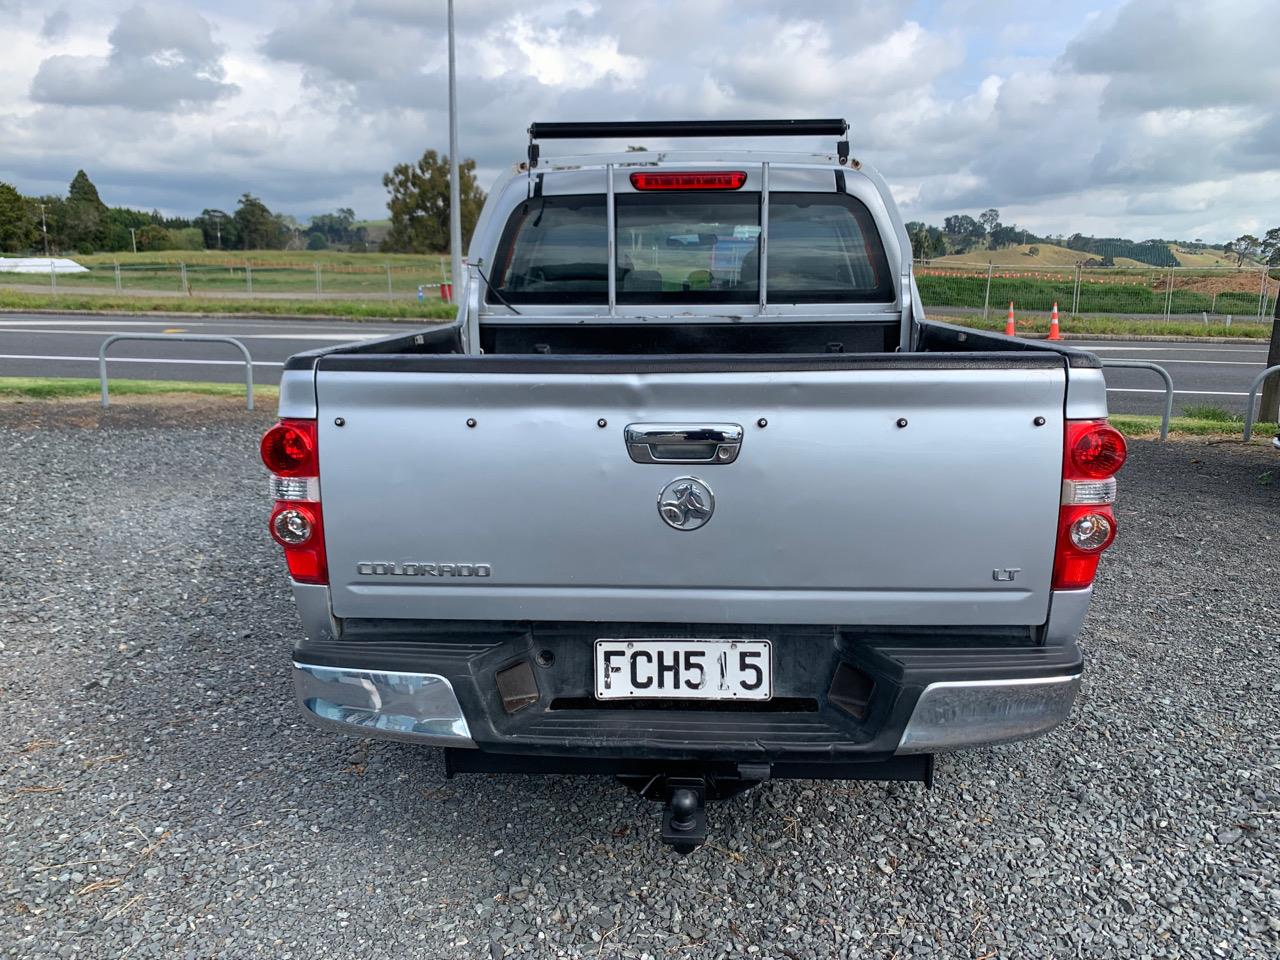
pixel 684 669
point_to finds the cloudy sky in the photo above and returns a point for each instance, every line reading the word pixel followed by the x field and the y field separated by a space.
pixel 1137 118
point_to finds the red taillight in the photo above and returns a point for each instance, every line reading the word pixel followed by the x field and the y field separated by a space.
pixel 290 452
pixel 1093 451
pixel 708 180
pixel 304 554
pixel 289 449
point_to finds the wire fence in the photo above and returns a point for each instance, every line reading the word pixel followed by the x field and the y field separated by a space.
pixel 1209 294
pixel 249 279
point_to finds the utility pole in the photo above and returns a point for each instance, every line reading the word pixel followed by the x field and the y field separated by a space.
pixel 44 228
pixel 1270 408
pixel 217 226
pixel 133 238
pixel 455 192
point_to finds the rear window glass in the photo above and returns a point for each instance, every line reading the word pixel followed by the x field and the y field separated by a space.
pixel 554 250
pixel 692 247
pixel 688 247
pixel 824 248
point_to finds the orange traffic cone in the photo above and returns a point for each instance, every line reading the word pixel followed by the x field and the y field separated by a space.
pixel 1054 333
pixel 1009 329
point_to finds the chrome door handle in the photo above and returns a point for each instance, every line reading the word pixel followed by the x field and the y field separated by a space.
pixel 683 442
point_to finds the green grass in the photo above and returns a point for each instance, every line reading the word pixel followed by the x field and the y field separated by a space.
pixel 1115 326
pixel 51 388
pixel 1109 292
pixel 1018 255
pixel 1207 411
pixel 1205 421
pixel 344 309
pixel 266 271
pixel 1144 426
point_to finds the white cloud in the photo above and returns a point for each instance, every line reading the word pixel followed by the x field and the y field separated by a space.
pixel 1146 119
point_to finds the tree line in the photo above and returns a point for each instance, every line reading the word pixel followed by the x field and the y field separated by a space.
pixel 81 223
pixel 962 233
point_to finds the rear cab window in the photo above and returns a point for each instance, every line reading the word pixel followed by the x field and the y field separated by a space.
pixel 691 247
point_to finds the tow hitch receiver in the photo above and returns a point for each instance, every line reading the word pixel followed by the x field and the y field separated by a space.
pixel 684 798
pixel 684 822
pixel 685 787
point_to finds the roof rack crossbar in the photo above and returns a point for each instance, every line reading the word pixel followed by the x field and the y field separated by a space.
pixel 629 129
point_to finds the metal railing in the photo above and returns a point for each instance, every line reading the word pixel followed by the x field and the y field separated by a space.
pixel 1168 387
pixel 1249 417
pixel 192 337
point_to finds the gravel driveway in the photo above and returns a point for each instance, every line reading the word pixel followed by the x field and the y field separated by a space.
pixel 160 795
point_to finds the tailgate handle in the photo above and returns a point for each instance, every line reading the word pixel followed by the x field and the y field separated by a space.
pixel 683 442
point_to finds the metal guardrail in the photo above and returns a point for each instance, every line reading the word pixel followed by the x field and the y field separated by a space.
pixel 194 337
pixel 1168 387
pixel 1249 417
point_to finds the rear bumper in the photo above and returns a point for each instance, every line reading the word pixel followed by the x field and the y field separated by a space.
pixel 435 683
pixel 422 708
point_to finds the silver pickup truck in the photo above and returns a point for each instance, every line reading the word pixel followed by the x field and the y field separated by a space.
pixel 691 492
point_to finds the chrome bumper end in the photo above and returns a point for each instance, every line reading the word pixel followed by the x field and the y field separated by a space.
pixel 960 714
pixel 409 707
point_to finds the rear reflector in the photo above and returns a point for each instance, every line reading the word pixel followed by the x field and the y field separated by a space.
pixel 718 180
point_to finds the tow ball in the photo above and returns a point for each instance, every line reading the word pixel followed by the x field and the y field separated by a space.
pixel 684 799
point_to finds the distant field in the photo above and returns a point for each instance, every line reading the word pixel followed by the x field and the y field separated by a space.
pixel 307 258
pixel 1103 291
pixel 232 272
pixel 1206 258
pixel 1050 255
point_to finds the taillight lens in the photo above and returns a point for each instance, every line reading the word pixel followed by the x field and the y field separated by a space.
pixel 299 528
pixel 292 527
pixel 290 452
pixel 692 180
pixel 1093 452
pixel 1096 450
pixel 289 449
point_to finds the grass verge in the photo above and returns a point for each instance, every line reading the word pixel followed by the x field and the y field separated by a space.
pixel 52 388
pixel 1117 326
pixel 1146 427
pixel 343 309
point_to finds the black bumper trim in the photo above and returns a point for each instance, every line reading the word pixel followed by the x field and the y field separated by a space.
pixel 901 662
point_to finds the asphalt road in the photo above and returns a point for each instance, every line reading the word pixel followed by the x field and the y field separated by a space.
pixel 53 346
pixel 1210 373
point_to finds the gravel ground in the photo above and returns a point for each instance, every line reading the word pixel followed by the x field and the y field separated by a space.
pixel 160 795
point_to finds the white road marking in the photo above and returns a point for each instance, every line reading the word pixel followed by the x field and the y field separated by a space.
pixel 228 322
pixel 1194 393
pixel 1182 348
pixel 217 363
pixel 236 334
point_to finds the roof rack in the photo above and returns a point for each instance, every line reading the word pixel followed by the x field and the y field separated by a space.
pixel 627 129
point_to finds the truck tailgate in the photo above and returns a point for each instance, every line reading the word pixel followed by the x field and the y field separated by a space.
pixel 914 491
